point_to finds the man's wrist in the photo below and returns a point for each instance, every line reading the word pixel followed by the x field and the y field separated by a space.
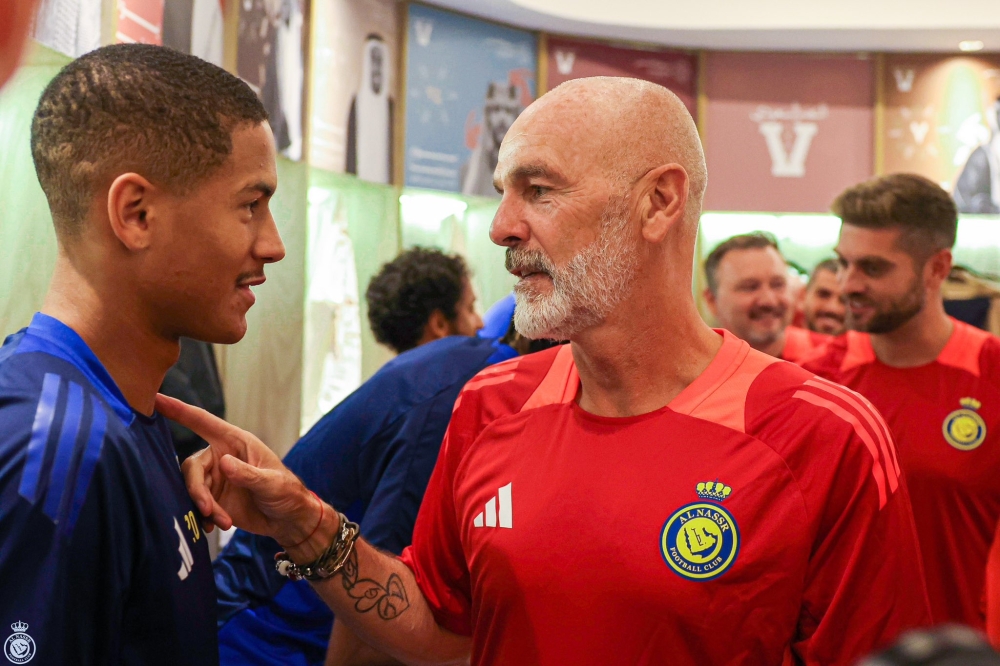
pixel 314 530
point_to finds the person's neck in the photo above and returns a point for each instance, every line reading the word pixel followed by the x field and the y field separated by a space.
pixel 642 357
pixel 918 341
pixel 775 348
pixel 110 323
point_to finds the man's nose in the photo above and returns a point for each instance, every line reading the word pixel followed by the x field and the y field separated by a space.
pixel 509 228
pixel 269 248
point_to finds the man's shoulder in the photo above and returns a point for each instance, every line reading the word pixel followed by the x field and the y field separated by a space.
pixel 55 432
pixel 429 368
pixel 815 424
pixel 525 382
pixel 840 354
pixel 518 385
pixel 973 351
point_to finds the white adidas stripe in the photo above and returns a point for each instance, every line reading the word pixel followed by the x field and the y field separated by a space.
pixel 491 517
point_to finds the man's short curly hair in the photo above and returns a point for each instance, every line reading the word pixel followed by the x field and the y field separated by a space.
pixel 408 289
pixel 162 114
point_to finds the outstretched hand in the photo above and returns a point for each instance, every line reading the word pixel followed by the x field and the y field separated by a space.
pixel 238 481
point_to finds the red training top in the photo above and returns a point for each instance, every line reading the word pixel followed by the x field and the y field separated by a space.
pixel 945 417
pixel 760 513
pixel 801 343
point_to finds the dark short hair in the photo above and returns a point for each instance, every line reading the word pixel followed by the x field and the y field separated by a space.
pixel 825 265
pixel 756 240
pixel 925 213
pixel 408 289
pixel 165 115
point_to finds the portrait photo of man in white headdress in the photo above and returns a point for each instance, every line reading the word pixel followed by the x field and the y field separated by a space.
pixel 977 190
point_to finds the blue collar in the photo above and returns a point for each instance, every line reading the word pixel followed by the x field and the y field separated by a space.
pixel 50 336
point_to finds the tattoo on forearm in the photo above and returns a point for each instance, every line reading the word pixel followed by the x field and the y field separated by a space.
pixel 390 599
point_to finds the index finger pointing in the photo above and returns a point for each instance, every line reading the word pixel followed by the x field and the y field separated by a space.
pixel 207 426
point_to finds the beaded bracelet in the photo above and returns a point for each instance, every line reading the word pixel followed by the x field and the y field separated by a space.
pixel 329 563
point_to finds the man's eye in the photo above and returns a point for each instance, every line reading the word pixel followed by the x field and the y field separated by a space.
pixel 252 206
pixel 538 190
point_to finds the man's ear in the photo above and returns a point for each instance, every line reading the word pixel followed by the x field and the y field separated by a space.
pixel 129 203
pixel 938 267
pixel 437 326
pixel 710 301
pixel 665 201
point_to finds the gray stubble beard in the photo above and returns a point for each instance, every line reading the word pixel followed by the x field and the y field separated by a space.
pixel 587 289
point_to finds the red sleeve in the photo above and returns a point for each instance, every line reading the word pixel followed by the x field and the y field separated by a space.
pixel 436 556
pixel 992 593
pixel 864 582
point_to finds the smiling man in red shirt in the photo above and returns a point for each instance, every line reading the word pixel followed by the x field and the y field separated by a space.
pixel 936 379
pixel 654 492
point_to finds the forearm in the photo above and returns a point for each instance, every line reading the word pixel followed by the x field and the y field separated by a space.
pixel 346 649
pixel 377 597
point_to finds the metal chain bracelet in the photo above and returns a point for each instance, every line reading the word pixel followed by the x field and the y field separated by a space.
pixel 329 563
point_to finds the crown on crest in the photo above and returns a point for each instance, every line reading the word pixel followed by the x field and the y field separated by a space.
pixel 713 490
pixel 19 627
pixel 970 403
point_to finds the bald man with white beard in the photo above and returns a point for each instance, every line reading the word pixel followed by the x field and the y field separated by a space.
pixel 655 491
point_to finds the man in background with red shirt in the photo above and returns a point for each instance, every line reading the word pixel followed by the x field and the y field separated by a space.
pixel 749 295
pixel 654 492
pixel 935 379
pixel 823 306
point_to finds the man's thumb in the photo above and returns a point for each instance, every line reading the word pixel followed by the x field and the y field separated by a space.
pixel 240 473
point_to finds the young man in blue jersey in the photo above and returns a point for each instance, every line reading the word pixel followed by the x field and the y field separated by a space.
pixel 373 453
pixel 158 168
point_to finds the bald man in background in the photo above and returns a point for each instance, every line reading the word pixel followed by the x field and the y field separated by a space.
pixel 15 23
pixel 653 492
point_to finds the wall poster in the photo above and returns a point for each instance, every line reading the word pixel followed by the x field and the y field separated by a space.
pixel 466 82
pixel 787 132
pixel 188 26
pixel 355 87
pixel 271 57
pixel 942 120
pixel 576 59
pixel 72 27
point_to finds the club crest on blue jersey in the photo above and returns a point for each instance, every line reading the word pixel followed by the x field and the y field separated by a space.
pixel 700 541
pixel 964 428
pixel 19 648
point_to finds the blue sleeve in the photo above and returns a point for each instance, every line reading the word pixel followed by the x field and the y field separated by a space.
pixel 326 459
pixel 401 469
pixel 66 539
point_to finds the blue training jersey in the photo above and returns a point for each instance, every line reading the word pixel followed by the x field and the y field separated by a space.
pixel 102 560
pixel 371 457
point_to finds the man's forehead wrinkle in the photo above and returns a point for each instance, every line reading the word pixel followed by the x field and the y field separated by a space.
pixel 633 125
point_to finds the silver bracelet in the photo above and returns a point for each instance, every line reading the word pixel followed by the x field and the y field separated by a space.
pixel 329 563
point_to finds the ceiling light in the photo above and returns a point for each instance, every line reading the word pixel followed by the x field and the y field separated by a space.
pixel 970 45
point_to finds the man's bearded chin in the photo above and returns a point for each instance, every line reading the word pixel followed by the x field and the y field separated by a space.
pixel 890 317
pixel 584 291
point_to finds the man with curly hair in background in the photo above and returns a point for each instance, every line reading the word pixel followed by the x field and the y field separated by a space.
pixel 421 296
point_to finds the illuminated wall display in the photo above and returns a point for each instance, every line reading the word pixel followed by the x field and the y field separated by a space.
pixel 355 87
pixel 776 125
pixel 575 59
pixel 466 83
pixel 942 120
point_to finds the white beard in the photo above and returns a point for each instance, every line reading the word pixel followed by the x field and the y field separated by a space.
pixel 586 290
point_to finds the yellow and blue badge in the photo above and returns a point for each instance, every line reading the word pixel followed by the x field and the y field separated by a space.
pixel 964 428
pixel 700 540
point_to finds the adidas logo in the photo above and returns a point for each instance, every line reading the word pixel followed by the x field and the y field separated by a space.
pixel 494 516
pixel 187 559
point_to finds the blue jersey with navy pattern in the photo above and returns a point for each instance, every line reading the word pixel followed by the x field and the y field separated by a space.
pixel 101 555
pixel 371 456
